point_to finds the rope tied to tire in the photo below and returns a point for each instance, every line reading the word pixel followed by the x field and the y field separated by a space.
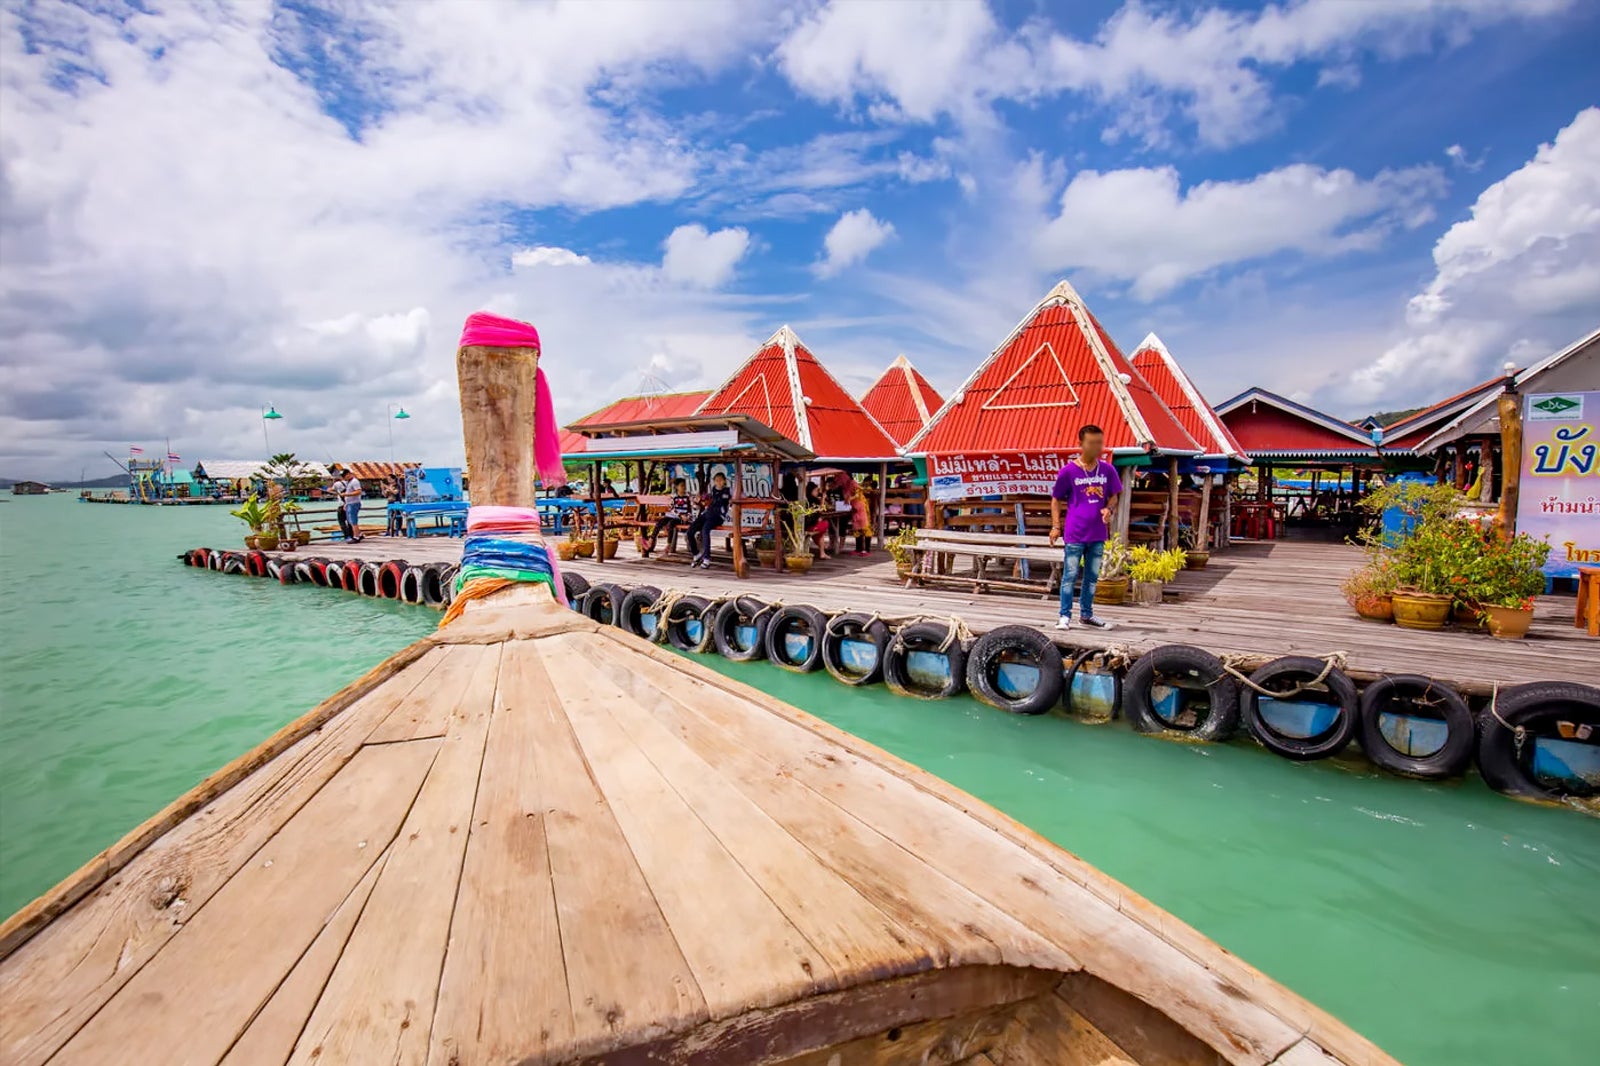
pixel 1330 662
pixel 956 629
pixel 662 609
pixel 1117 656
pixel 1519 734
pixel 873 617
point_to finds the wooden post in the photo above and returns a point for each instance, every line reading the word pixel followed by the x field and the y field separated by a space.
pixel 740 569
pixel 497 422
pixel 1510 461
pixel 883 496
pixel 1229 481
pixel 1203 539
pixel 1172 502
pixel 780 517
pixel 599 515
pixel 1125 503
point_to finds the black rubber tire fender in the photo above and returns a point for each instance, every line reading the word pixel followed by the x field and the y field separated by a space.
pixel 788 619
pixel 274 568
pixel 411 585
pixel 1452 758
pixel 603 603
pixel 303 571
pixel 447 583
pixel 390 575
pixel 725 625
pixel 1279 675
pixel 686 610
pixel 367 582
pixel 634 608
pixel 857 626
pixel 1006 644
pixel 197 557
pixel 1531 706
pixel 319 572
pixel 1197 665
pixel 255 564
pixel 214 559
pixel 927 637
pixel 350 571
pixel 575 585
pixel 433 593
pixel 1084 656
pixel 234 563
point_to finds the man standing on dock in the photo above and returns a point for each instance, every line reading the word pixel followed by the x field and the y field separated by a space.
pixel 350 504
pixel 337 488
pixel 1089 486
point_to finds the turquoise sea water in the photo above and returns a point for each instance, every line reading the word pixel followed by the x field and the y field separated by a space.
pixel 1449 924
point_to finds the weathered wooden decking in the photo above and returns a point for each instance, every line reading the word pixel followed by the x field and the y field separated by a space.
pixel 531 839
pixel 1255 599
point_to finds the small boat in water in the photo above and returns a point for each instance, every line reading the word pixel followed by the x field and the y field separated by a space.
pixel 529 838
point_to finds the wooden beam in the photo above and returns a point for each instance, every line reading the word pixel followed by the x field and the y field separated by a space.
pixel 599 515
pixel 883 492
pixel 498 386
pixel 1510 461
pixel 1203 538
pixel 1124 514
pixel 1172 502
pixel 740 567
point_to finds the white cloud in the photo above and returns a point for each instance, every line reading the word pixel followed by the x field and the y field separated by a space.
pixel 1146 65
pixel 1141 226
pixel 1523 272
pixel 1458 155
pixel 547 255
pixel 851 240
pixel 704 259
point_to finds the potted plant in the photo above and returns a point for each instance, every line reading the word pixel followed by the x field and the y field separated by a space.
pixel 253 513
pixel 1370 590
pixel 567 550
pixel 1509 576
pixel 796 544
pixel 1149 569
pixel 1194 558
pixel 1113 587
pixel 900 546
pixel 608 549
pixel 766 550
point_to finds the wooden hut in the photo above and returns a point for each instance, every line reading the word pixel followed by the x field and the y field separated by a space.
pixel 1012 425
pixel 29 488
pixel 533 839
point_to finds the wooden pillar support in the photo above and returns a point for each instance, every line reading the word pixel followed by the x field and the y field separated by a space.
pixel 1172 502
pixel 498 386
pixel 599 514
pixel 1229 482
pixel 1510 461
pixel 1203 534
pixel 740 567
pixel 1124 515
pixel 883 496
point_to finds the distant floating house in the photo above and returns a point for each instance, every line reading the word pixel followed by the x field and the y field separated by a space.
pixel 29 488
pixel 902 400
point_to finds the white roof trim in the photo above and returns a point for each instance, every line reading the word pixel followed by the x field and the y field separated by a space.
pixel 909 373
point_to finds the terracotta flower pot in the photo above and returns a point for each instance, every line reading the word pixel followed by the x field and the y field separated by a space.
pixel 584 548
pixel 766 556
pixel 610 549
pixel 1508 623
pixel 1375 607
pixel 253 542
pixel 1468 616
pixel 1112 590
pixel 798 564
pixel 566 550
pixel 267 542
pixel 302 537
pixel 1197 561
pixel 1421 610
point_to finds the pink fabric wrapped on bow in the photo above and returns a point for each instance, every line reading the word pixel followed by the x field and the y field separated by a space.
pixel 492 331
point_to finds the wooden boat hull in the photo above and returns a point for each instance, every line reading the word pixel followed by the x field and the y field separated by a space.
pixel 529 838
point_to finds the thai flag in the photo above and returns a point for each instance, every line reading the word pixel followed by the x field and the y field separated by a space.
pixel 134 449
pixel 173 457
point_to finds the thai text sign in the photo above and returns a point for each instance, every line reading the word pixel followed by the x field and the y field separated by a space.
pixel 757 477
pixel 959 477
pixel 1560 492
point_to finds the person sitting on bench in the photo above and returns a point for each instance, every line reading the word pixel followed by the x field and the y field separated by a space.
pixel 713 512
pixel 679 513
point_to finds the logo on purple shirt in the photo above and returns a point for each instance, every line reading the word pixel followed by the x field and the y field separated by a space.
pixel 1086 493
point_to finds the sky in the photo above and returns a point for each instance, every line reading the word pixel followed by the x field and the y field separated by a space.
pixel 207 208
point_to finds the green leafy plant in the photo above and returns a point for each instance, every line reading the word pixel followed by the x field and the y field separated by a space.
pixel 254 514
pixel 795 541
pixel 1114 560
pixel 296 477
pixel 900 546
pixel 1509 573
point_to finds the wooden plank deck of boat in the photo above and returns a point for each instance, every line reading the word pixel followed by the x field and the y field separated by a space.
pixel 1255 599
pixel 531 839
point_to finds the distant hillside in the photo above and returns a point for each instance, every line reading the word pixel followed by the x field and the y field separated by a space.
pixel 115 481
pixel 1389 418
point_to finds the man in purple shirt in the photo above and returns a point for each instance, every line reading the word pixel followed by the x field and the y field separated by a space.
pixel 1089 486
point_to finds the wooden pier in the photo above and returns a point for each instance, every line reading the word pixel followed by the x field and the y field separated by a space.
pixel 1256 600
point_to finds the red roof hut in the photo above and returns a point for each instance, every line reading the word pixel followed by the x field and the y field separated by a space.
pixel 1177 391
pixel 902 400
pixel 631 409
pixel 1269 426
pixel 784 387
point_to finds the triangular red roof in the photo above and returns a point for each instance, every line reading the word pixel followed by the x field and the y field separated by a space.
pixel 1056 371
pixel 784 386
pixel 1177 391
pixel 902 400
pixel 632 409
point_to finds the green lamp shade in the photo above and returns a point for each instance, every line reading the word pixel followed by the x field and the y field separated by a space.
pixel 272 412
pixel 401 413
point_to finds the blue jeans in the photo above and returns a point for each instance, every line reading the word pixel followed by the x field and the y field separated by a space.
pixel 1086 556
pixel 352 514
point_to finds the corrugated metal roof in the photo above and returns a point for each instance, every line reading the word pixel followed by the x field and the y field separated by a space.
pixel 1177 391
pixel 573 443
pixel 787 388
pixel 1057 371
pixel 644 408
pixel 902 400
pixel 1406 434
pixel 377 469
pixel 1268 425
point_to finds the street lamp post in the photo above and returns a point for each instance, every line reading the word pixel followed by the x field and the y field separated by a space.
pixel 269 415
pixel 393 415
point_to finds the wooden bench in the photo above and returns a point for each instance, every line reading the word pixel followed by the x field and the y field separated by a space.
pixel 1147 517
pixel 935 548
